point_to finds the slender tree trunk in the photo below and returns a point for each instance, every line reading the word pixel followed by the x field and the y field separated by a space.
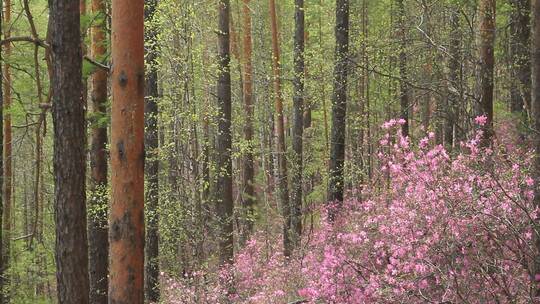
pixel 486 10
pixel 2 265
pixel 97 226
pixel 454 86
pixel 126 219
pixel 39 140
pixel 248 195
pixel 367 108
pixel 307 102
pixel 322 75
pixel 535 95
pixel 224 140
pixel 283 188
pixel 298 129
pixel 520 92
pixel 71 250
pixel 152 159
pixel 403 85
pixel 6 159
pixel 339 105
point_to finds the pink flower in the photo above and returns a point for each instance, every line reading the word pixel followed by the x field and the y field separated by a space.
pixel 481 120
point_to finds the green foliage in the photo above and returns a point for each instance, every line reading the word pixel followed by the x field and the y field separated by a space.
pixel 98 202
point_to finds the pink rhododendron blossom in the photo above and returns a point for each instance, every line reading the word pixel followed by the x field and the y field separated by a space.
pixel 481 120
pixel 454 229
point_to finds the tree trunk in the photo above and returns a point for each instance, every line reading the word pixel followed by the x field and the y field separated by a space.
pixel 152 160
pixel 322 76
pixel 403 82
pixel 283 188
pixel 454 85
pixel 487 61
pixel 224 140
pixel 298 129
pixel 248 195
pixel 7 158
pixel 339 106
pixel 97 226
pixel 535 94
pixel 126 219
pixel 520 91
pixel 71 251
pixel 2 265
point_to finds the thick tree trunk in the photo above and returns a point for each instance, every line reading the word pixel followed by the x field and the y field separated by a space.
pixel 339 105
pixel 403 83
pixel 224 140
pixel 486 10
pixel 126 219
pixel 520 91
pixel 71 250
pixel 298 128
pixel 283 187
pixel 152 160
pixel 97 226
pixel 248 195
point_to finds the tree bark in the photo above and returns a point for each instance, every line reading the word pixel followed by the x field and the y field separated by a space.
pixel 126 219
pixel 224 140
pixel 535 99
pixel 487 61
pixel 283 188
pixel 6 160
pixel 520 91
pixel 403 85
pixel 454 85
pixel 97 226
pixel 339 106
pixel 248 195
pixel 152 159
pixel 2 283
pixel 71 250
pixel 298 128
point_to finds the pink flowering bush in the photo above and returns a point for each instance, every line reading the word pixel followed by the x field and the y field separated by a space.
pixel 441 229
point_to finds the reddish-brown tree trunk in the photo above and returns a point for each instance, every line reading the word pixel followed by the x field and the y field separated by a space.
pixel 126 218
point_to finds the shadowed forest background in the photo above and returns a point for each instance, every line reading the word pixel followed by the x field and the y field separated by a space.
pixel 263 151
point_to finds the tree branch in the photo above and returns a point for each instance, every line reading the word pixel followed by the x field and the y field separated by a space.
pixel 24 39
pixel 96 63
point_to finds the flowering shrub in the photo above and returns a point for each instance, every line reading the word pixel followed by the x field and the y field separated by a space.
pixel 442 230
